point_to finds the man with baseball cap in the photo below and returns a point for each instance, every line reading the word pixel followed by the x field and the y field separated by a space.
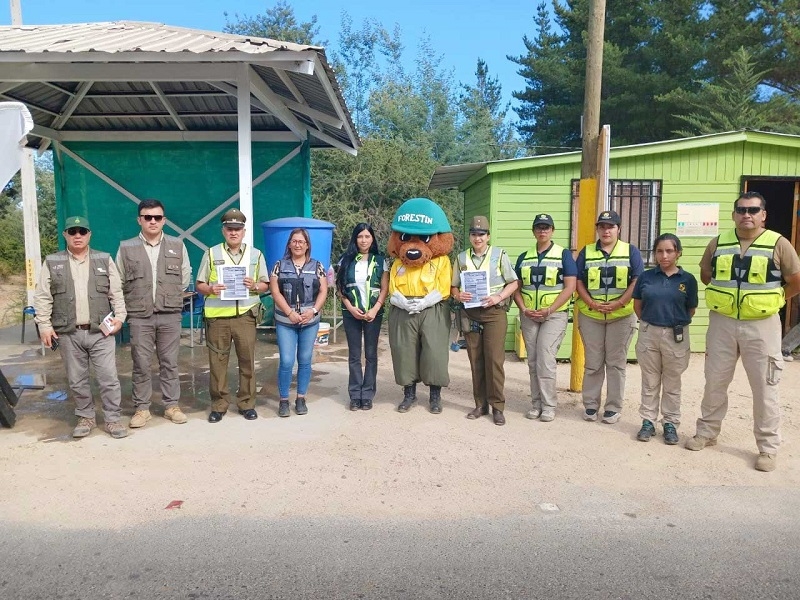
pixel 155 271
pixel 485 321
pixel 77 289
pixel 232 322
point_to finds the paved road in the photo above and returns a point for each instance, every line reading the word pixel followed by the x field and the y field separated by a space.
pixel 735 549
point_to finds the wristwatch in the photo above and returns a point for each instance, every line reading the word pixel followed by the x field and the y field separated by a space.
pixel 316 312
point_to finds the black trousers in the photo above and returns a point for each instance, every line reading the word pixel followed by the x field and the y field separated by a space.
pixel 362 334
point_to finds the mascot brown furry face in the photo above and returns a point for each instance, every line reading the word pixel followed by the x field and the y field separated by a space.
pixel 419 286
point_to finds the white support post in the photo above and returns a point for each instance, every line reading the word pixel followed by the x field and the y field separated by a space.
pixel 245 151
pixel 16 13
pixel 30 216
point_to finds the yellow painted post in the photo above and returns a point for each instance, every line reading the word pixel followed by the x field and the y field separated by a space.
pixel 586 216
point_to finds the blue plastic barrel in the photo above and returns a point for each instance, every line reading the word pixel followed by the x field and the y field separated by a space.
pixel 276 235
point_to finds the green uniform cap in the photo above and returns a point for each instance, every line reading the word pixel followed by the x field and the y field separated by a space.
pixel 420 216
pixel 77 222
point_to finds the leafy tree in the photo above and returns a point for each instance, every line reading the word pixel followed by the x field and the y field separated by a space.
pixel 278 23
pixel 736 103
pixel 484 132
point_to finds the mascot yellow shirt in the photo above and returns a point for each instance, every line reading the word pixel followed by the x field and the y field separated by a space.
pixel 415 282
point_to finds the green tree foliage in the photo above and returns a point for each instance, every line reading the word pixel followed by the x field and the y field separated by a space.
pixel 484 132
pixel 278 23
pixel 659 60
pixel 736 103
pixel 12 231
pixel 650 48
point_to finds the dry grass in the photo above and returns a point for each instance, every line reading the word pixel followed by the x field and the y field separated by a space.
pixel 12 299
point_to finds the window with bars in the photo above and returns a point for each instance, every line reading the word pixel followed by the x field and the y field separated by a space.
pixel 638 203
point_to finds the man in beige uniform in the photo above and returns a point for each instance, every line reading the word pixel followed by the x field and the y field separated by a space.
pixel 155 271
pixel 77 289
pixel 744 271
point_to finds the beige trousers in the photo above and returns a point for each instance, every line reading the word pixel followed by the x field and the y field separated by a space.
pixel 606 349
pixel 758 342
pixel 542 341
pixel 662 361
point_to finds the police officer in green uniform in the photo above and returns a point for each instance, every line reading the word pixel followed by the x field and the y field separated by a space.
pixel 232 321
pixel 486 317
pixel 744 271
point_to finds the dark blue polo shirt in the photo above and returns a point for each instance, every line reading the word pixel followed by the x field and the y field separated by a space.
pixel 666 301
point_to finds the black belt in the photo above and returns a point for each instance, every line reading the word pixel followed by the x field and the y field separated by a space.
pixel 83 327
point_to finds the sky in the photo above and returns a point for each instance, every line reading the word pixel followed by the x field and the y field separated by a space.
pixel 461 31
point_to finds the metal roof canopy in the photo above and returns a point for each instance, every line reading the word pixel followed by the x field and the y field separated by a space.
pixel 132 81
pixel 452 177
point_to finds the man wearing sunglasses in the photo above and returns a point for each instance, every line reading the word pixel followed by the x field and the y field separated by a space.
pixel 155 271
pixel 744 271
pixel 77 288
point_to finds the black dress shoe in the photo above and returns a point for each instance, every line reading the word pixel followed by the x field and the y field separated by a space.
pixel 215 417
pixel 250 414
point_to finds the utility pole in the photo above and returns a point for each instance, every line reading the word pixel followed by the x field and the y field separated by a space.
pixel 587 198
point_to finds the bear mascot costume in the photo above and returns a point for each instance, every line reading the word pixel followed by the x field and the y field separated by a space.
pixel 419 287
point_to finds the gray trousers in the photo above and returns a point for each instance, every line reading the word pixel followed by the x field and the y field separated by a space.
pixel 158 334
pixel 758 342
pixel 81 349
pixel 542 341
pixel 420 345
pixel 606 350
pixel 662 361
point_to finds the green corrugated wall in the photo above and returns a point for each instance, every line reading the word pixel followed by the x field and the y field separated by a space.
pixel 191 178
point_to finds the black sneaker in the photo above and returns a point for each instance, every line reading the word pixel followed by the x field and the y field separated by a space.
pixel 610 417
pixel 590 414
pixel 647 431
pixel 355 404
pixel 300 406
pixel 670 434
pixel 283 408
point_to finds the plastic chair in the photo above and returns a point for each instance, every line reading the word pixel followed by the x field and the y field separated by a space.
pixel 192 313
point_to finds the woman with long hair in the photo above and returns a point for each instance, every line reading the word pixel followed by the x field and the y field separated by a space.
pixel 299 289
pixel 362 283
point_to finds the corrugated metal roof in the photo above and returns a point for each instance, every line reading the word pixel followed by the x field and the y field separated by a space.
pixel 132 36
pixel 51 69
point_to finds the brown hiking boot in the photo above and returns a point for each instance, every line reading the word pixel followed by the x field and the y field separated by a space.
pixel 766 462
pixel 84 427
pixel 174 414
pixel 140 418
pixel 698 442
pixel 116 430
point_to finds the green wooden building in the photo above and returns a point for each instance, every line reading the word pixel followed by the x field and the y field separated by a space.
pixel 686 186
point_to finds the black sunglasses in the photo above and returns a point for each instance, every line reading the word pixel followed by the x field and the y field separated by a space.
pixel 748 210
pixel 156 218
pixel 77 230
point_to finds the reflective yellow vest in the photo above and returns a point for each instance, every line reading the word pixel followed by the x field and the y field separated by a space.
pixel 214 306
pixel 492 267
pixel 745 287
pixel 542 280
pixel 607 279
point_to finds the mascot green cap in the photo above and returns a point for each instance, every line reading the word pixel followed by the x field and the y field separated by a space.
pixel 420 216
